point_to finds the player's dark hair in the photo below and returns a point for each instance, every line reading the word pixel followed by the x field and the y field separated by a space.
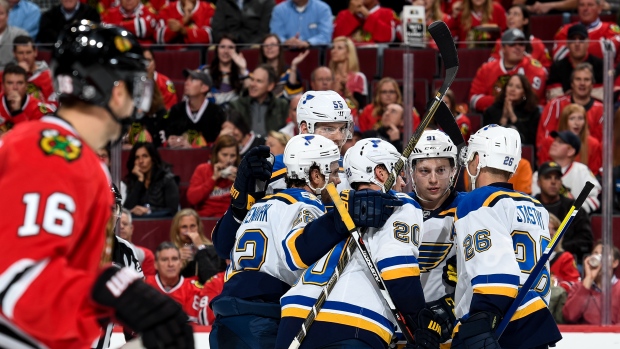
pixel 299 182
pixel 355 186
pixel 615 251
pixel 23 40
pixel 13 68
pixel 166 245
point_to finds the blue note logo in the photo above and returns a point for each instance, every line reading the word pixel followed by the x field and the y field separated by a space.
pixel 308 139
pixel 308 97
pixel 375 143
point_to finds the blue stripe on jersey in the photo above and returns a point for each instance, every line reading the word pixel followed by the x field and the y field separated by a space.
pixel 489 196
pixel 278 163
pixel 405 198
pixel 496 279
pixel 398 260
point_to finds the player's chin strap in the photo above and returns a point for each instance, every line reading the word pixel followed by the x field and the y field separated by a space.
pixel 317 191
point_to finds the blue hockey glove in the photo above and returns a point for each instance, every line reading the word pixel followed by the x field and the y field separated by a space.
pixel 444 315
pixel 255 166
pixel 477 332
pixel 369 208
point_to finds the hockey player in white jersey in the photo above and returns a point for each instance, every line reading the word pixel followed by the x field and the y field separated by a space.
pixel 278 238
pixel 355 315
pixel 324 113
pixel 433 164
pixel 500 234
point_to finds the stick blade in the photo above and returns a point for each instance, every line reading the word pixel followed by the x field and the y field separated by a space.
pixel 445 119
pixel 445 43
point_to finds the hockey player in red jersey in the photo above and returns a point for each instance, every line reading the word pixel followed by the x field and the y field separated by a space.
pixel 589 11
pixel 55 276
pixel 17 105
pixel 366 21
pixel 39 74
pixel 185 21
pixel 493 75
pixel 138 19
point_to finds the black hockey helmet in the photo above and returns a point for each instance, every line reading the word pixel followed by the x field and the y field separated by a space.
pixel 89 59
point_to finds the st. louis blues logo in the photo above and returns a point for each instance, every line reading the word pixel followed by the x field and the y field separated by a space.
pixel 308 139
pixel 375 143
pixel 432 254
pixel 308 97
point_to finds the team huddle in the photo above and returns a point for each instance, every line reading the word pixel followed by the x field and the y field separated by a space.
pixel 451 262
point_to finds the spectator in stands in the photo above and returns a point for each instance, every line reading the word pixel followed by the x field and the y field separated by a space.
pixel 8 33
pixel 302 23
pixel 247 21
pixel 323 79
pixel 152 189
pixel 185 21
pixel 272 53
pixel 40 84
pixel 492 76
pixel 433 12
pixel 198 256
pixel 151 127
pixel 17 105
pixel 549 6
pixel 259 107
pixel 559 81
pixel 162 82
pixel 26 15
pixel 189 293
pixel 578 238
pixel 349 81
pixel 365 21
pixel 236 126
pixel 585 300
pixel 573 118
pixel 589 11
pixel 145 256
pixel 276 141
pixel 519 17
pixel 57 17
pixel 387 92
pixel 138 19
pixel 228 69
pixel 194 122
pixel 580 93
pixel 209 187
pixel 390 127
pixel 478 14
pixel 291 125
pixel 516 106
pixel 461 119
pixel 564 271
pixel 565 147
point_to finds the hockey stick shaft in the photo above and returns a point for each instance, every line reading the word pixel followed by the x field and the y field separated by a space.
pixel 542 262
pixel 443 38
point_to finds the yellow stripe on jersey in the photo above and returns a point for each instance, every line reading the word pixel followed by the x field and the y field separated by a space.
pixel 341 319
pixel 529 309
pixel 497 290
pixel 447 212
pixel 290 243
pixel 278 173
pixel 400 273
pixel 495 195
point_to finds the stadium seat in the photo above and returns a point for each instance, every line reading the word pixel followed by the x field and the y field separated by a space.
pixel 527 153
pixel 424 61
pixel 252 57
pixel 470 60
pixel 172 63
pixel 368 59
pixel 150 233
pixel 544 27
pixel 44 54
pixel 183 161
pixel 460 87
pixel 178 86
pixel 476 122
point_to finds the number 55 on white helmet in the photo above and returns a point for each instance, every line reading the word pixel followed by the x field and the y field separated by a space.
pixel 304 152
pixel 497 147
pixel 362 158
pixel 325 113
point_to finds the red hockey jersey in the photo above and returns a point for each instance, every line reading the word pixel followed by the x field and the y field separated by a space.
pixel 539 51
pixel 379 26
pixel 167 89
pixel 141 22
pixel 40 84
pixel 198 30
pixel 492 76
pixel 56 203
pixel 32 109
pixel 188 293
pixel 596 31
pixel 550 118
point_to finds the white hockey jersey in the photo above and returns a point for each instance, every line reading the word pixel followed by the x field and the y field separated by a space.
pixel 501 234
pixel 355 307
pixel 277 182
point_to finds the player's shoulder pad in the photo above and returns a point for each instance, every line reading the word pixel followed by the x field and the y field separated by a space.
pixel 405 198
pixel 488 196
pixel 197 284
pixel 293 196
pixel 279 169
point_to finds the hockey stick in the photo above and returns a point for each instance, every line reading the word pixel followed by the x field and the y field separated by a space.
pixel 355 241
pixel 542 262
pixel 443 38
pixel 445 119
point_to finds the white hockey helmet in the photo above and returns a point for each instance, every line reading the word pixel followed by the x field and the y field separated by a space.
pixel 497 147
pixel 362 158
pixel 304 151
pixel 324 106
pixel 434 144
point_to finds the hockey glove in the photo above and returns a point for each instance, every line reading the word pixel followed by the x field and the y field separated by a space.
pixel 477 332
pixel 255 166
pixel 369 208
pixel 158 318
pixel 428 333
pixel 449 275
pixel 444 314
